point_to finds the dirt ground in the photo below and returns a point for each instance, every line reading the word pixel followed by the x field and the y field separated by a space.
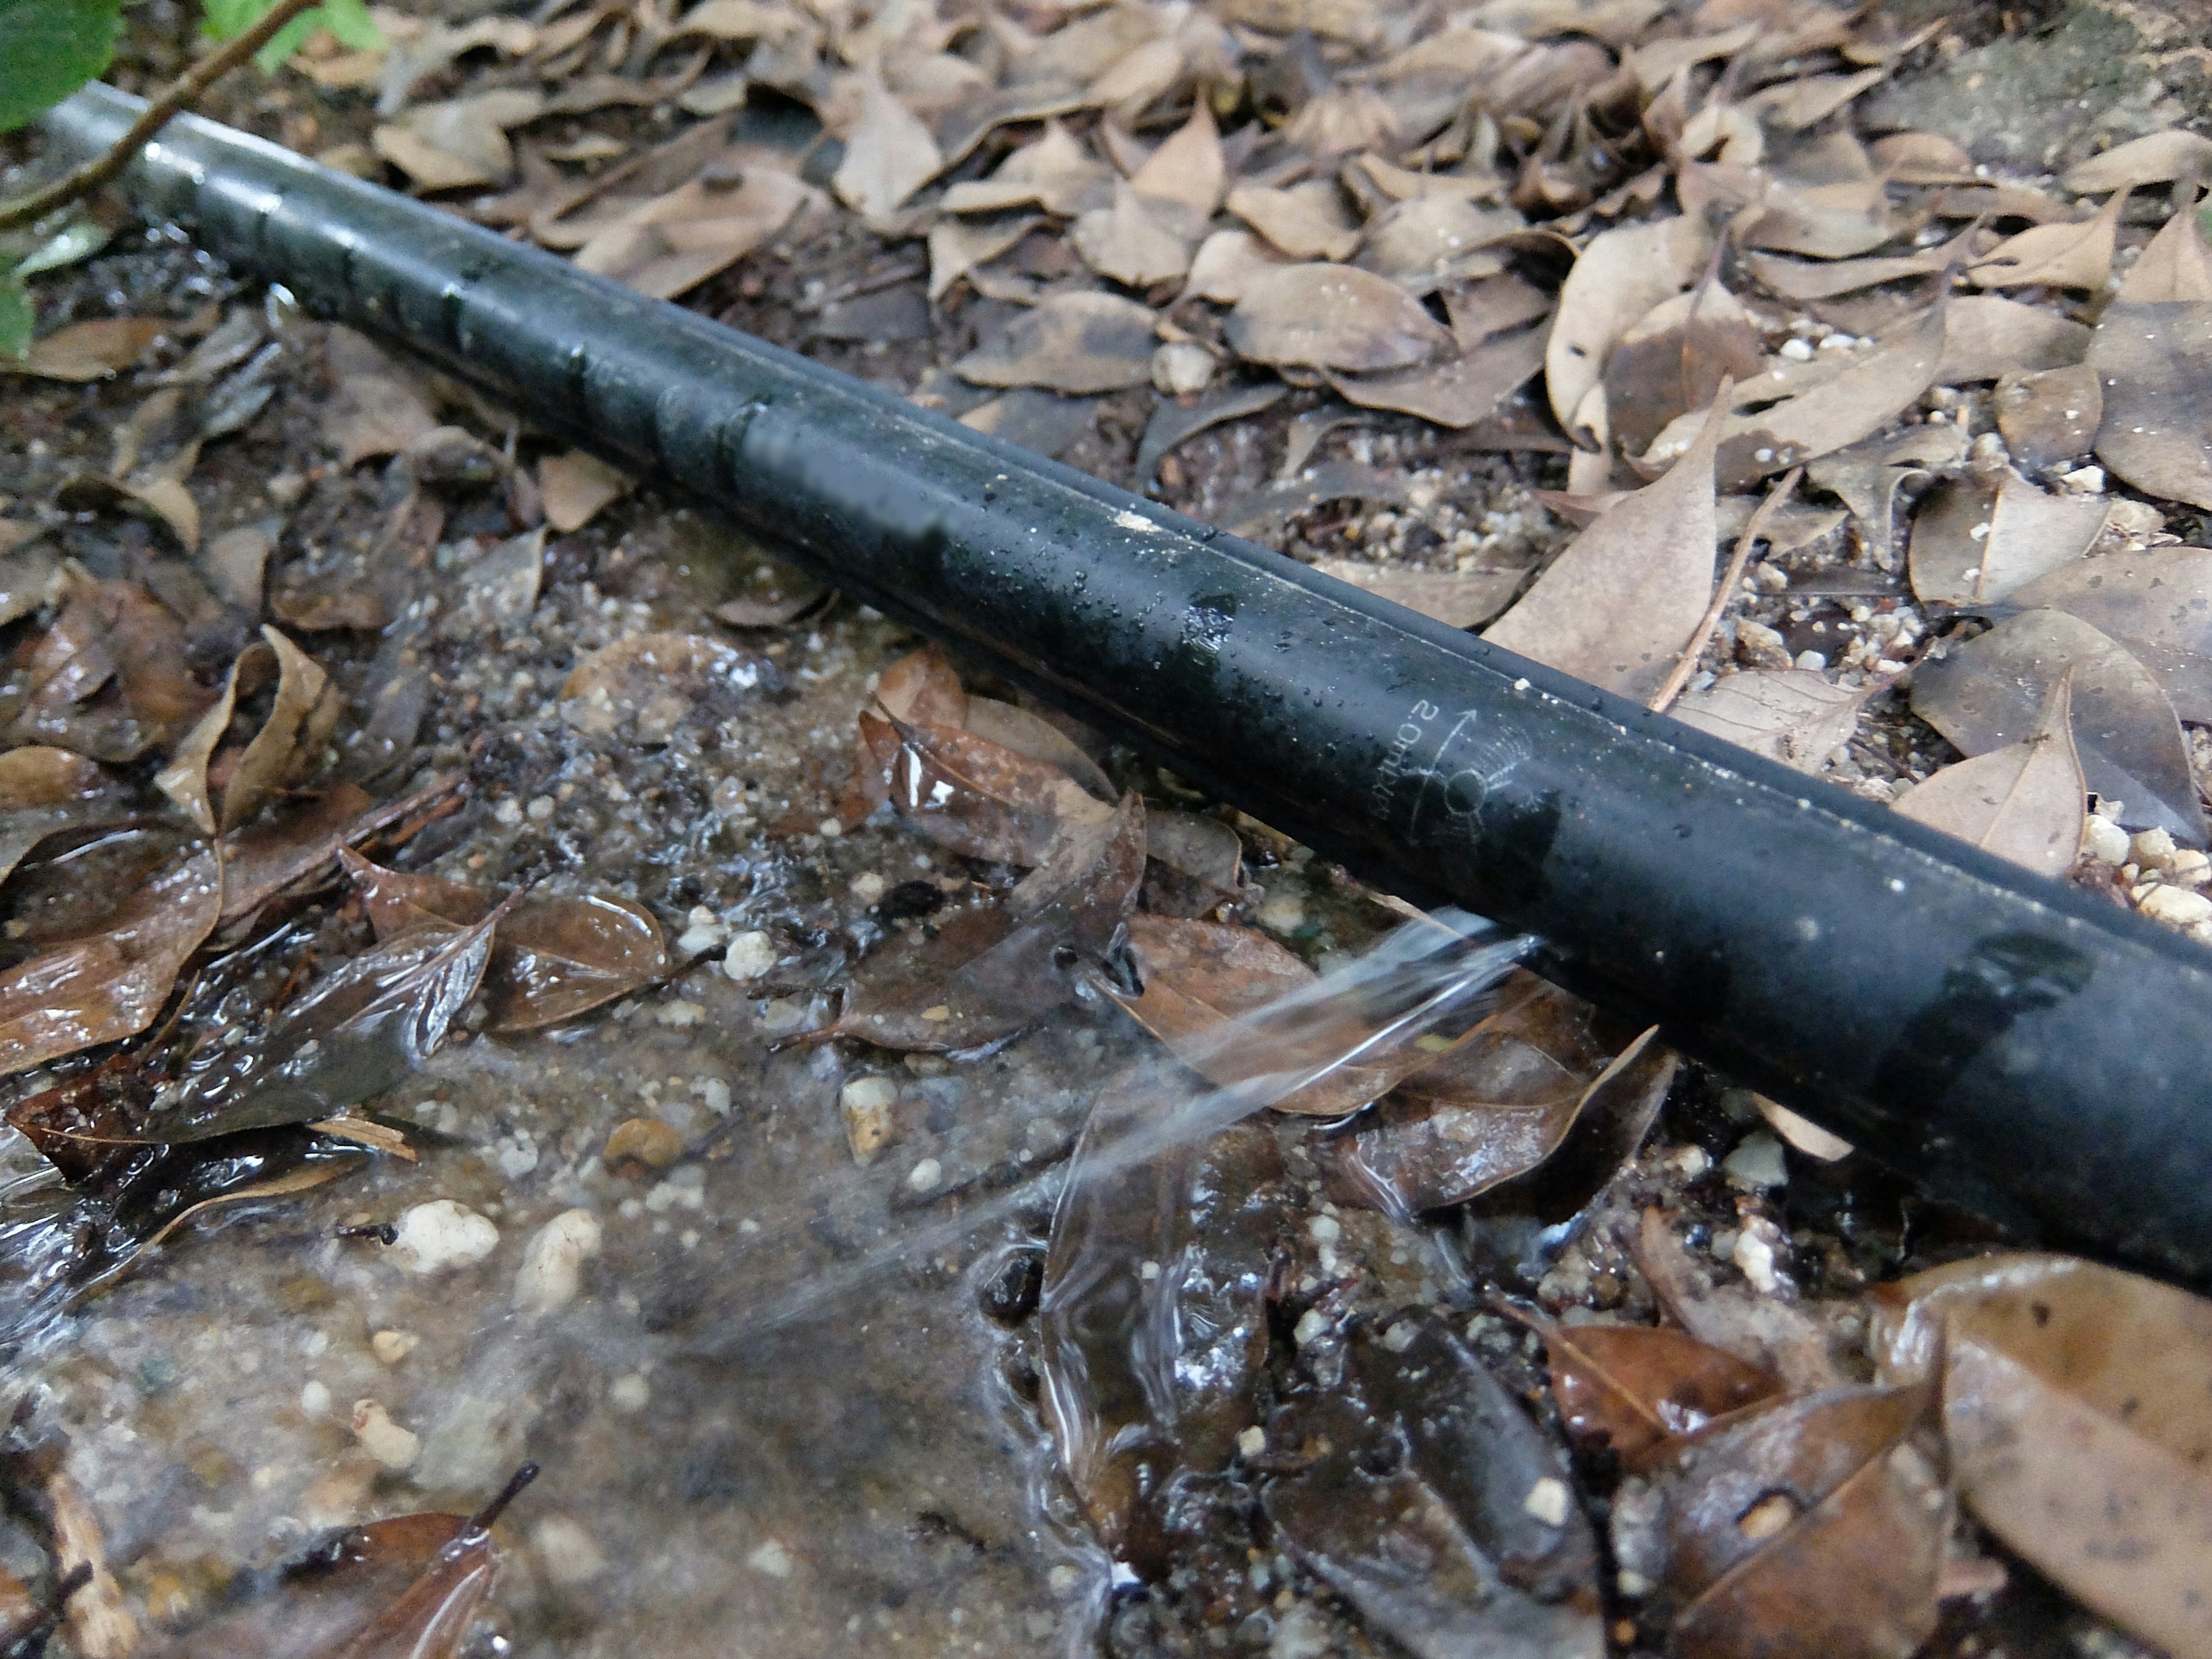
pixel 791 1406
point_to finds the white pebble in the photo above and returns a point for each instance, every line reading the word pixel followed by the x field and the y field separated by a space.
pixel 2103 839
pixel 552 1266
pixel 926 1175
pixel 432 1238
pixel 1182 366
pixel 771 1558
pixel 868 887
pixel 1253 1441
pixel 1797 351
pixel 715 1094
pixel 1313 1325
pixel 866 1103
pixel 382 1438
pixel 2176 906
pixel 1811 661
pixel 539 810
pixel 1548 1500
pixel 679 1015
pixel 2188 868
pixel 2152 848
pixel 1400 1337
pixel 566 1551
pixel 392 1346
pixel 314 1400
pixel 1754 1257
pixel 749 955
pixel 1284 914
pixel 508 811
pixel 1756 1162
pixel 1324 1229
pixel 630 1393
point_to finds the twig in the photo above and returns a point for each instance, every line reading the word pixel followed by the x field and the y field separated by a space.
pixel 72 186
pixel 1672 689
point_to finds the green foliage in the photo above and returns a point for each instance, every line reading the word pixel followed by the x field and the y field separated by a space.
pixel 349 20
pixel 48 49
pixel 16 316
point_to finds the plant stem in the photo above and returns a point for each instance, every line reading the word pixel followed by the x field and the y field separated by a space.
pixel 83 181
pixel 1688 665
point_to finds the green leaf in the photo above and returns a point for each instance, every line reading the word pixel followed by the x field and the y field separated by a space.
pixel 71 243
pixel 349 20
pixel 52 47
pixel 16 316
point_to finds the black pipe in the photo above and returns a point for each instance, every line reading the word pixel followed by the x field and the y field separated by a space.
pixel 2015 1043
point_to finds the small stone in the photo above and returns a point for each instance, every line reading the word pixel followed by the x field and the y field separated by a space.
pixel 866 1103
pixel 2152 849
pixel 749 955
pixel 926 1175
pixel 1812 662
pixel 382 1438
pixel 2103 839
pixel 771 1558
pixel 868 887
pixel 714 1095
pixel 642 1141
pixel 1756 1163
pixel 1401 1336
pixel 539 810
pixel 1689 1162
pixel 629 1392
pixel 1753 1255
pixel 1285 913
pixel 1549 1501
pixel 2177 907
pixel 566 1551
pixel 552 1264
pixel 1324 1229
pixel 392 1346
pixel 432 1238
pixel 2188 868
pixel 1181 368
pixel 508 811
pixel 1253 1441
pixel 1313 1325
pixel 679 1014
pixel 1797 351
pixel 702 932
pixel 314 1400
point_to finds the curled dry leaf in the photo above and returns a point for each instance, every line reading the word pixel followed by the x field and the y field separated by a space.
pixel 1338 317
pixel 1990 693
pixel 2057 256
pixel 300 722
pixel 1074 342
pixel 1617 608
pixel 1456 392
pixel 1985 336
pixel 1788 714
pixel 375 407
pixel 108 985
pixel 1619 277
pixel 460 142
pixel 1306 222
pixel 977 797
pixel 1976 539
pixel 1056 173
pixel 2158 603
pixel 576 487
pixel 1636 1387
pixel 1132 241
pixel 2153 159
pixel 1801 280
pixel 2077 1408
pixel 90 350
pixel 2152 351
pixel 1187 169
pixel 2023 802
pixel 889 155
pixel 957 246
pixel 671 244
pixel 1806 1526
pixel 1228 263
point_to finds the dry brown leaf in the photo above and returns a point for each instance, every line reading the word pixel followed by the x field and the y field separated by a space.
pixel 1187 168
pixel 234 562
pixel 1457 598
pixel 957 246
pixel 576 486
pixel 2050 417
pixel 1617 279
pixel 2177 266
pixel 2077 1409
pixel 1788 714
pixel 1131 242
pixel 184 779
pixel 1306 222
pixel 1806 101
pixel 2155 358
pixel 1325 316
pixel 90 350
pixel 2055 256
pixel 1779 1336
pixel 1985 336
pixel 669 245
pixel 1429 240
pixel 1492 305
pixel 888 156
pixel 1056 173
pixel 1617 608
pixel 461 142
pixel 301 720
pixel 1990 692
pixel 1976 539
pixel 1228 263
pixel 1458 391
pixel 1920 158
pixel 102 986
pixel 1801 279
pixel 2158 603
pixel 2023 803
pixel 376 406
pixel 1075 342
pixel 2154 159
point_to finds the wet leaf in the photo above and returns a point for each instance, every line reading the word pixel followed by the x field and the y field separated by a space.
pixel 2075 1407
pixel 2153 159
pixel 184 779
pixel 261 861
pixel 1977 540
pixel 2057 256
pixel 44 791
pixel 1032 735
pixel 1152 1321
pixel 102 986
pixel 1474 1543
pixel 1990 692
pixel 300 721
pixel 2023 802
pixel 554 957
pixel 1618 607
pixel 1636 1387
pixel 1194 865
pixel 989 973
pixel 407 1588
pixel 1171 423
pixel 1787 714
pixel 1806 1526
pixel 1325 316
pixel 1457 598
pixel 1619 277
pixel 375 407
pixel 90 350
pixel 1075 342
pixel 977 797
pixel 2153 355
pixel 1779 1336
pixel 2158 603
